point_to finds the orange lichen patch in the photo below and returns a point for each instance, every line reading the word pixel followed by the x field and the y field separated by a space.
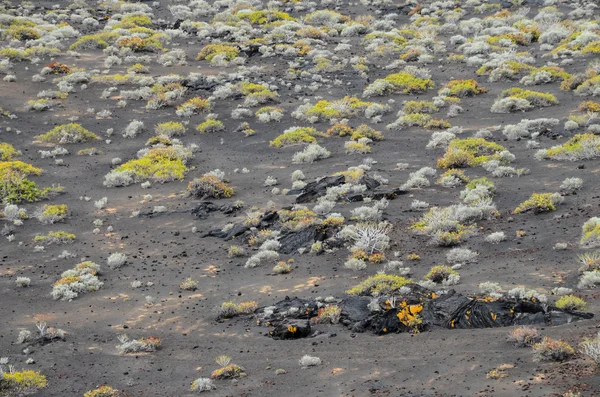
pixel 408 314
pixel 266 289
pixel 337 371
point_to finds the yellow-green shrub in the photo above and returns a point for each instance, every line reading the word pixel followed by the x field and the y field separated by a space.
pixel 296 136
pixel 159 164
pixel 538 202
pixel 209 186
pixel 383 284
pixel 7 151
pixel 462 88
pixel 571 303
pixel 209 51
pixel 469 152
pixel 67 133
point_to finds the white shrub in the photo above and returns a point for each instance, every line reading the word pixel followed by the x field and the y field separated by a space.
pixel 270 181
pixel 440 139
pixel 371 237
pixel 260 257
pixel 119 178
pixel 489 288
pixel 461 255
pixel 508 105
pixel 495 238
pixel 589 280
pixel 419 205
pixel 99 204
pixel 570 185
pixel 297 175
pixel 202 384
pixel 310 154
pixel 522 293
pixel 116 260
pixel 309 361
pixel 133 129
pixel 355 264
pixel 23 281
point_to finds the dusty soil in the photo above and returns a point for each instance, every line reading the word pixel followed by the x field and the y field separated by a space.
pixel 164 250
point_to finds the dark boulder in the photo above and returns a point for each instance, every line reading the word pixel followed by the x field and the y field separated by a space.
pixel 314 190
pixel 291 329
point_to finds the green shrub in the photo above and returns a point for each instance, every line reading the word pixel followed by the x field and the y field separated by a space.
pixel 138 44
pixel 159 164
pixel 364 131
pixel 103 391
pixel 210 125
pixel 209 186
pixel 170 129
pixel 462 88
pixel 20 383
pixel 580 146
pixel 440 273
pixel 56 237
pixel 209 51
pixel 382 284
pixel 67 133
pixel 399 82
pixel 295 136
pixel 571 303
pixel 469 152
pixel 534 97
pixel 16 188
pixel 553 350
pixel 538 202
pixel 8 152
pixel 90 42
pixel 419 107
pixel 21 33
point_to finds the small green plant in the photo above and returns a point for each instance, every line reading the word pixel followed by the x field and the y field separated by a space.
pixel 209 186
pixel 55 237
pixel 52 213
pixel 189 284
pixel 282 267
pixel 236 251
pixel 194 106
pixel 231 309
pixel 210 125
pixel 553 350
pixel 440 273
pixel 419 107
pixel 138 44
pixel 103 391
pixel 90 151
pixel 329 314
